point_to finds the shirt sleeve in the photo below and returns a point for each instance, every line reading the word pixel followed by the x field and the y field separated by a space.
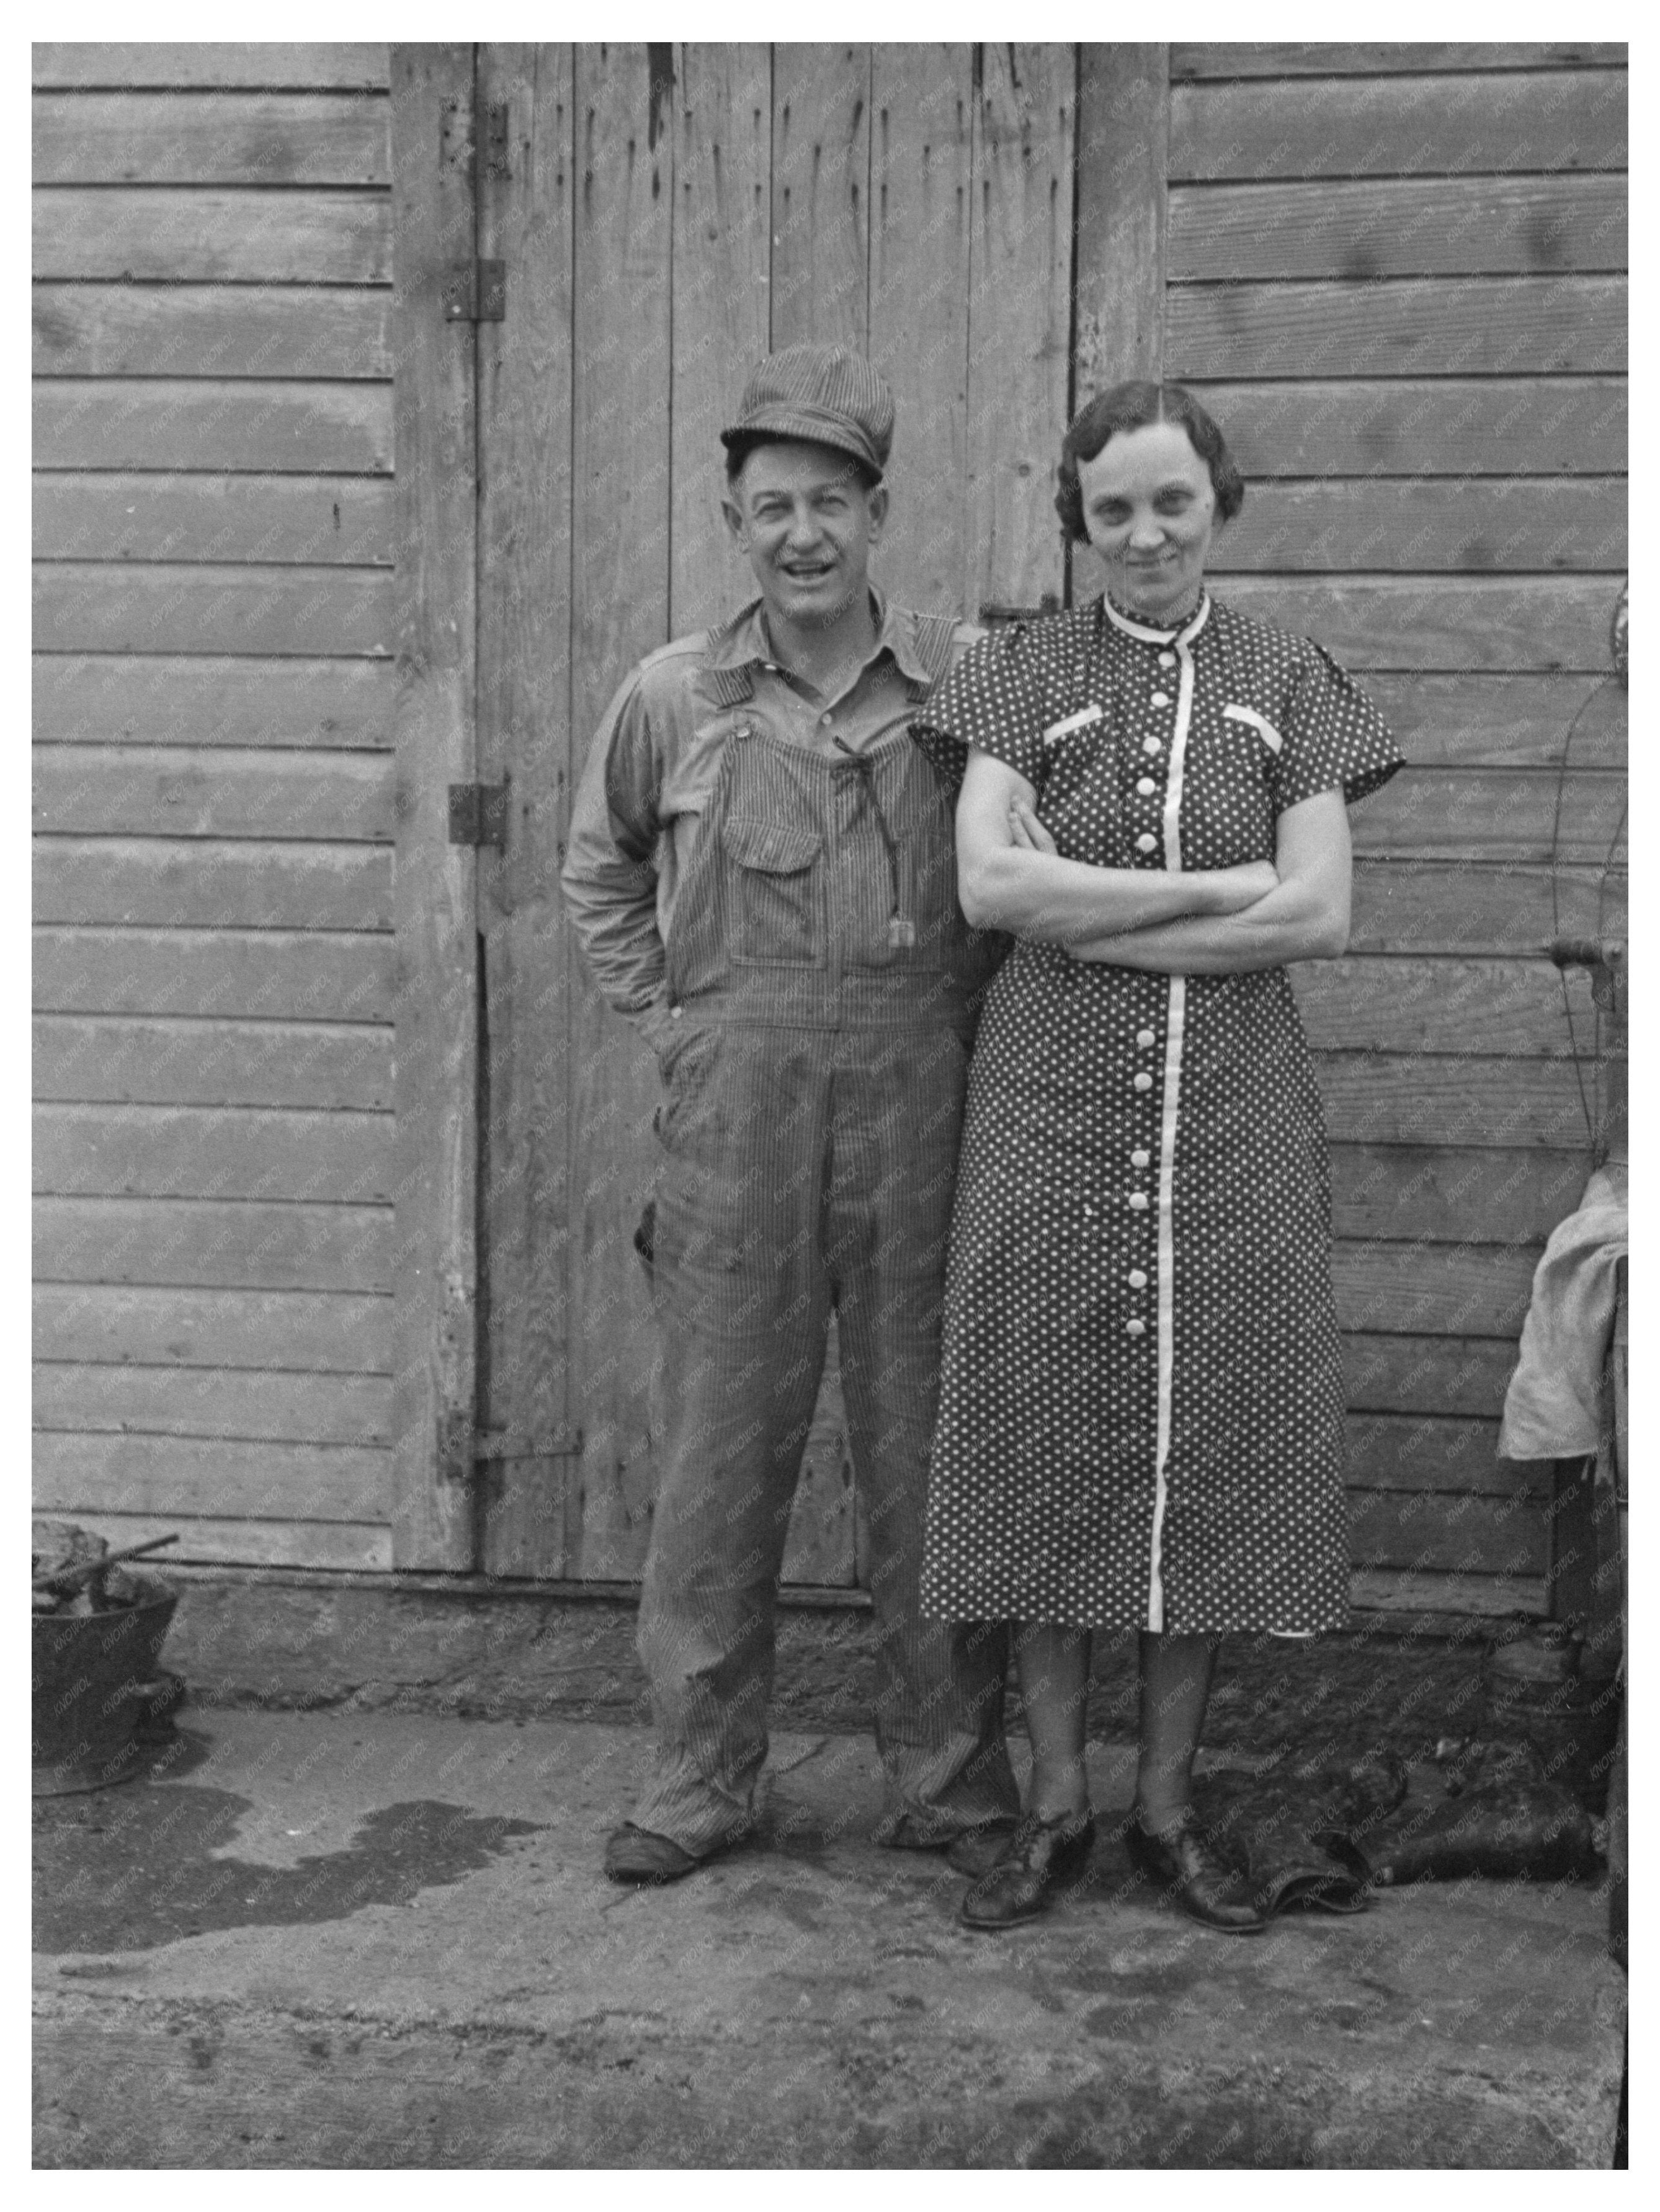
pixel 988 700
pixel 610 875
pixel 1335 739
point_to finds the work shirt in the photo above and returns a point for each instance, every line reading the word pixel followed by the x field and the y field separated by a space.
pixel 656 758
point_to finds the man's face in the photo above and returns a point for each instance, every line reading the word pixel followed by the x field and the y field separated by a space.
pixel 802 518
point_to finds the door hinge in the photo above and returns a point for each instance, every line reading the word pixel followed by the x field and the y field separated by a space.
pixel 476 292
pixel 495 139
pixel 503 1443
pixel 478 815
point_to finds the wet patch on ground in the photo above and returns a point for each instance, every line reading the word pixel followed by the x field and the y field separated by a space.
pixel 130 1869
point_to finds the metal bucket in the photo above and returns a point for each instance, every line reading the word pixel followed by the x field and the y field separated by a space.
pixel 102 1696
pixel 1531 1686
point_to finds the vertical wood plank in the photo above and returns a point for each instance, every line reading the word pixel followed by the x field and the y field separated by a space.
pixel 821 195
pixel 1019 317
pixel 923 106
pixel 526 738
pixel 1123 153
pixel 436 1007
pixel 625 181
pixel 722 254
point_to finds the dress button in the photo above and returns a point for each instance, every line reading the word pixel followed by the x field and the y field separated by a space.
pixel 1135 1328
pixel 1151 745
pixel 1161 698
pixel 1146 786
pixel 1145 842
pixel 1144 1038
pixel 1139 1159
pixel 1138 1201
pixel 1167 660
pixel 1144 1081
pixel 1138 1281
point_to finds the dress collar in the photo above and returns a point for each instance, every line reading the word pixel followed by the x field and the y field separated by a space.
pixel 1182 633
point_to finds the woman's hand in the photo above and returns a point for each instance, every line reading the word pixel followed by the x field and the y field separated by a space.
pixel 1025 829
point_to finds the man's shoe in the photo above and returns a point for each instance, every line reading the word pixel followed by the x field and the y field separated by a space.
pixel 1039 1858
pixel 637 1855
pixel 1188 1868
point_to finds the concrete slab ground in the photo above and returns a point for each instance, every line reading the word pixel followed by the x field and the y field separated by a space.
pixel 384 1941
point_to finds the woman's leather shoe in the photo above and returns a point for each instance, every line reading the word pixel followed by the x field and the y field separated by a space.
pixel 1039 1858
pixel 1202 1882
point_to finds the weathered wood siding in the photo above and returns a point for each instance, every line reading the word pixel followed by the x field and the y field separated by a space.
pixel 213 715
pixel 1397 276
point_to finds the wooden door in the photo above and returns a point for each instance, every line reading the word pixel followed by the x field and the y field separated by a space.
pixel 666 215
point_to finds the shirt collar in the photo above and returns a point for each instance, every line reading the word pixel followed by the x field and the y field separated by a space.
pixel 1182 633
pixel 741 645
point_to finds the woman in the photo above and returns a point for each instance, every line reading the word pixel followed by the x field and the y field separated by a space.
pixel 1141 1419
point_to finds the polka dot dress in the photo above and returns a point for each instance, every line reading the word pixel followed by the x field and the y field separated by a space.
pixel 1142 1410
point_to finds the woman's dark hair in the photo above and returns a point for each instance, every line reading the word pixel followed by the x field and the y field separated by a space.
pixel 740 447
pixel 1133 406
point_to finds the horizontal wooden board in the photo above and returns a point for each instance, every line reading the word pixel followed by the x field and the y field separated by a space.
pixel 1436 1452
pixel 265 974
pixel 173 329
pixel 155 516
pixel 1496 814
pixel 1453 1194
pixel 310 428
pixel 1493 719
pixel 146 699
pixel 1416 1098
pixel 1438 622
pixel 168 1062
pixel 252 1403
pixel 1422 1532
pixel 1449 125
pixel 207 1540
pixel 1411 1005
pixel 1433 1289
pixel 201 66
pixel 1449 1597
pixel 1427 1374
pixel 228 883
pixel 154 138
pixel 1460 426
pixel 244 237
pixel 197 1475
pixel 1489 523
pixel 100 606
pixel 213 1151
pixel 1445 906
pixel 307 1331
pixel 1397 227
pixel 192 791
pixel 1268 57
pixel 210 1243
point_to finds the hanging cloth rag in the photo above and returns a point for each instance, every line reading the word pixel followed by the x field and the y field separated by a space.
pixel 1553 1409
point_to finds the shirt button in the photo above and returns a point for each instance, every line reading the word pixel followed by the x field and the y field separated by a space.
pixel 1139 1159
pixel 1138 1281
pixel 1161 698
pixel 1138 1201
pixel 1135 1328
pixel 1146 786
pixel 675 1012
pixel 1144 1038
pixel 1144 1081
pixel 1145 842
pixel 1151 745
pixel 1167 660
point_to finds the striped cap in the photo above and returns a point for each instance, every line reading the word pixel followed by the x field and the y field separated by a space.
pixel 827 394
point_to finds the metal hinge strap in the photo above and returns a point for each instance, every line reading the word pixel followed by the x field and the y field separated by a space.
pixel 502 1444
pixel 475 292
pixel 478 815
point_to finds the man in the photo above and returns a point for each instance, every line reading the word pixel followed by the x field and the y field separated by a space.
pixel 763 877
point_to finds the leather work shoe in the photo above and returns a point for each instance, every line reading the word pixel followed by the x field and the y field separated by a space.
pixel 638 1855
pixel 1188 1867
pixel 1038 1858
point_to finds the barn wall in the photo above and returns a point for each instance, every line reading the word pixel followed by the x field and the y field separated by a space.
pixel 213 532
pixel 1396 274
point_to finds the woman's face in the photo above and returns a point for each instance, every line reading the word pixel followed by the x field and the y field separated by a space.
pixel 1149 507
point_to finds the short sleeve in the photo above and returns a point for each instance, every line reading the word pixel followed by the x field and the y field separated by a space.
pixel 1334 738
pixel 989 699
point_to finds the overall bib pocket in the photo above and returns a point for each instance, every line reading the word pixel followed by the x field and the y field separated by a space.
pixel 776 891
